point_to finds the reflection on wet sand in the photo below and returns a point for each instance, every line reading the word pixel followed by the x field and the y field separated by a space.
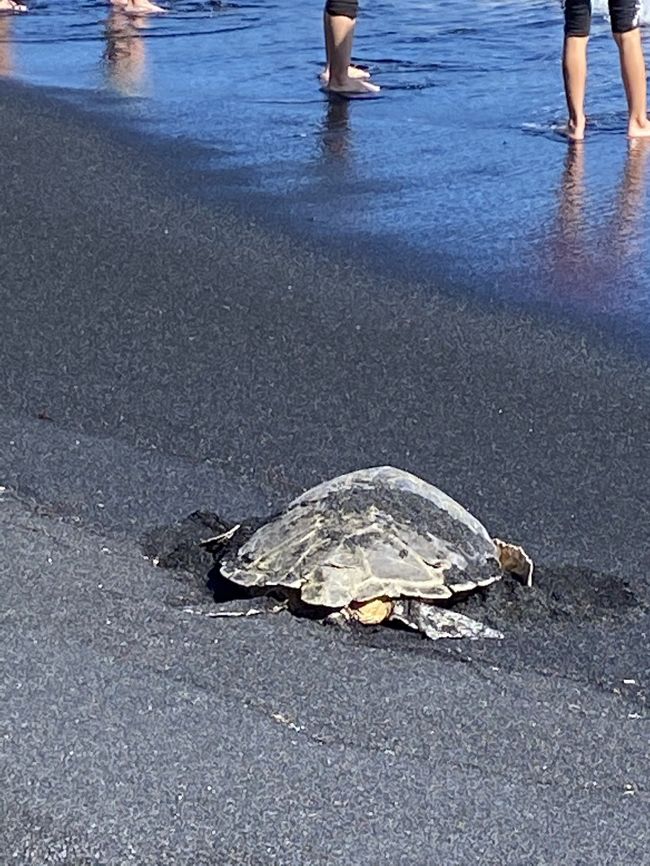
pixel 125 55
pixel 630 205
pixel 335 129
pixel 6 47
pixel 569 241
pixel 587 253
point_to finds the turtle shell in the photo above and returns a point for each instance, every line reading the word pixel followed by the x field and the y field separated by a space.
pixel 378 532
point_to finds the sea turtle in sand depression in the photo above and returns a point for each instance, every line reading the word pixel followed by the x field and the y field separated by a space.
pixel 376 545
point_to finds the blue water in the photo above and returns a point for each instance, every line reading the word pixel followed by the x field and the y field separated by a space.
pixel 458 160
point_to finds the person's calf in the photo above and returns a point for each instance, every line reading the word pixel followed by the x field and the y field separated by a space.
pixel 574 69
pixel 633 73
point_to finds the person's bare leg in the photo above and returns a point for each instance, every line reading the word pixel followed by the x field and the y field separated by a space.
pixel 353 71
pixel 339 33
pixel 574 69
pixel 634 80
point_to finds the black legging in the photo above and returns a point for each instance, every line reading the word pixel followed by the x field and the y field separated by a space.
pixel 349 8
pixel 624 15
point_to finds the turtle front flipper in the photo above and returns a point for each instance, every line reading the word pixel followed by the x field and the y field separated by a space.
pixel 217 541
pixel 372 612
pixel 439 622
pixel 515 560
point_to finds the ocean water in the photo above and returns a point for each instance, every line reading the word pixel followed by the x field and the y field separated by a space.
pixel 458 165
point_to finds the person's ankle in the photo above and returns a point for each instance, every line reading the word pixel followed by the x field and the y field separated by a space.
pixel 338 80
pixel 576 127
pixel 638 126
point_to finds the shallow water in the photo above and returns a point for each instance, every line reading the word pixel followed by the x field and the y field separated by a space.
pixel 459 160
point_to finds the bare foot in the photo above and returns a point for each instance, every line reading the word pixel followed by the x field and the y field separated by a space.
pixel 139 6
pixel 575 130
pixel 353 72
pixel 353 85
pixel 12 6
pixel 639 128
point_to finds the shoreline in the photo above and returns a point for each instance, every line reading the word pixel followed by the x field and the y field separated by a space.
pixel 189 169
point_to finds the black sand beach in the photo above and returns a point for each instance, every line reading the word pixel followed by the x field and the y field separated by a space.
pixel 161 354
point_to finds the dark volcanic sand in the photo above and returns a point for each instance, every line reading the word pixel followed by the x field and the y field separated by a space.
pixel 181 356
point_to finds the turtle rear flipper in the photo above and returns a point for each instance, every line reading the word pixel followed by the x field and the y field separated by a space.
pixel 439 622
pixel 515 560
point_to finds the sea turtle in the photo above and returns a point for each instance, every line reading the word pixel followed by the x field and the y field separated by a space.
pixel 374 545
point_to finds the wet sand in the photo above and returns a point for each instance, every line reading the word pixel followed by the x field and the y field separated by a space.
pixel 183 354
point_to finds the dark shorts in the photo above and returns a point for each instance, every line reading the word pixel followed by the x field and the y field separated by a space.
pixel 348 8
pixel 624 15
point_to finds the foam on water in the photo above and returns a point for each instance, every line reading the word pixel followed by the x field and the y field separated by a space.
pixel 443 165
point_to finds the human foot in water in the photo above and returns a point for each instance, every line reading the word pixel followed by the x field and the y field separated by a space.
pixel 12 6
pixel 638 128
pixel 352 85
pixel 138 6
pixel 353 72
pixel 574 129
